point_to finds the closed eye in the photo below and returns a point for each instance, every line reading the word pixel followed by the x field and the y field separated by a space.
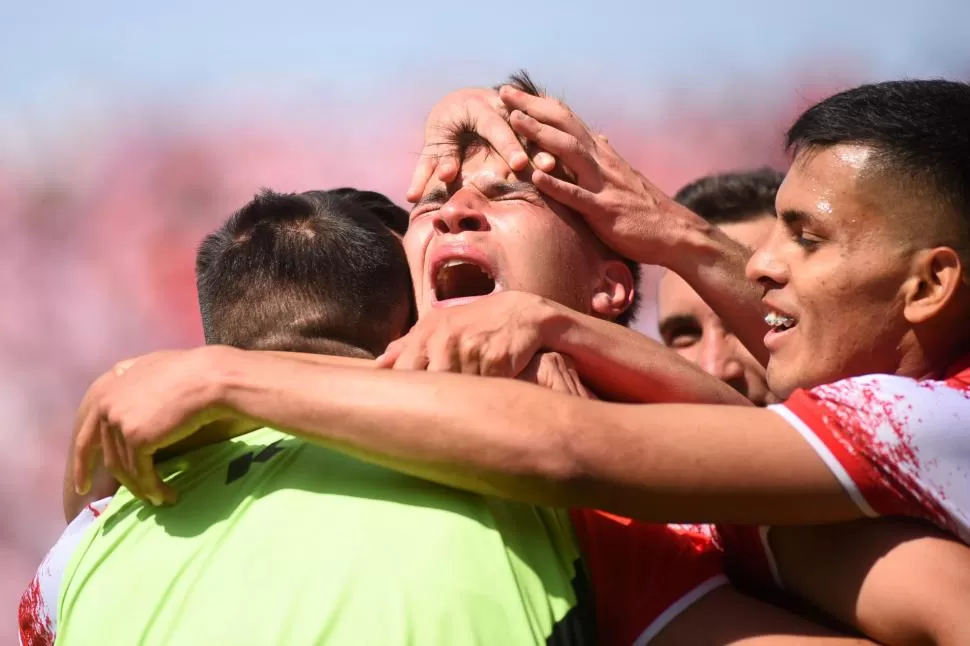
pixel 796 223
pixel 807 241
pixel 524 191
pixel 420 211
pixel 429 203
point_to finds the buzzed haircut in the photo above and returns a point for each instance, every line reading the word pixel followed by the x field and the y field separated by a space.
pixel 919 132
pixel 306 272
pixel 729 198
pixel 463 136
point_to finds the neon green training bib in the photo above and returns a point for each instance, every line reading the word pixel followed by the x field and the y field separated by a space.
pixel 278 541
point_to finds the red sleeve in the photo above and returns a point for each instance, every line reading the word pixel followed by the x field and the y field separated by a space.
pixel 643 574
pixel 898 446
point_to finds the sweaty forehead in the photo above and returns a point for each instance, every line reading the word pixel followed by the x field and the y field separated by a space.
pixel 834 185
pixel 824 174
pixel 850 191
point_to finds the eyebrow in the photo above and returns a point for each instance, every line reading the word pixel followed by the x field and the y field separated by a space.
pixel 791 216
pixel 435 196
pixel 501 188
pixel 677 320
pixel 491 190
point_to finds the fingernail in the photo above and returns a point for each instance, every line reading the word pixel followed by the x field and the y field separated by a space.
pixel 545 161
pixel 519 160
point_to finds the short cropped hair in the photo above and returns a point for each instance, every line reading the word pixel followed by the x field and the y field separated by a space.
pixel 463 136
pixel 919 131
pixel 305 271
pixel 732 197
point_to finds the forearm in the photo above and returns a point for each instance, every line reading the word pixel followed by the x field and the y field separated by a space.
pixel 400 419
pixel 514 440
pixel 623 365
pixel 714 266
pixel 321 359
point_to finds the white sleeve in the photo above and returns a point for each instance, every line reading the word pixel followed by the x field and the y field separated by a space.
pixel 37 613
pixel 900 447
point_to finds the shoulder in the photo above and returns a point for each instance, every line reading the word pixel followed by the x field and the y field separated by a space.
pixel 898 445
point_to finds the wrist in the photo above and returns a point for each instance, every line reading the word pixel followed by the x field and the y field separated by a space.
pixel 220 373
pixel 555 322
pixel 692 243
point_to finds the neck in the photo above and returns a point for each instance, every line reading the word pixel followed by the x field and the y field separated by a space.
pixel 928 353
pixel 312 345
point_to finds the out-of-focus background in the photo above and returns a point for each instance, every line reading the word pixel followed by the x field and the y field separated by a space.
pixel 129 130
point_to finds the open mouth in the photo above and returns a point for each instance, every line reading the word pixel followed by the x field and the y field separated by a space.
pixel 462 278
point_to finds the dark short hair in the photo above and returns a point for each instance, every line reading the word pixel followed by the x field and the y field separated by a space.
pixel 919 130
pixel 463 136
pixel 393 216
pixel 732 197
pixel 303 271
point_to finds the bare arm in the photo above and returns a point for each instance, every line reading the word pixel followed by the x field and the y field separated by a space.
pixel 624 365
pixel 633 216
pixel 898 581
pixel 498 335
pixel 518 441
pixel 103 484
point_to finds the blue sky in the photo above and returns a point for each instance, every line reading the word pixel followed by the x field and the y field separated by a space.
pixel 59 57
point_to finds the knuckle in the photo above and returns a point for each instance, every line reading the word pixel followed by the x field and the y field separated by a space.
pixel 470 346
pixel 444 346
pixel 135 436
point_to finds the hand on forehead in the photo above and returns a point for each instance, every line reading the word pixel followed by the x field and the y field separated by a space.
pixel 483 170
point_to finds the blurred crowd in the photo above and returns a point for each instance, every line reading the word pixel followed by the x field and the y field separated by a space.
pixel 97 248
